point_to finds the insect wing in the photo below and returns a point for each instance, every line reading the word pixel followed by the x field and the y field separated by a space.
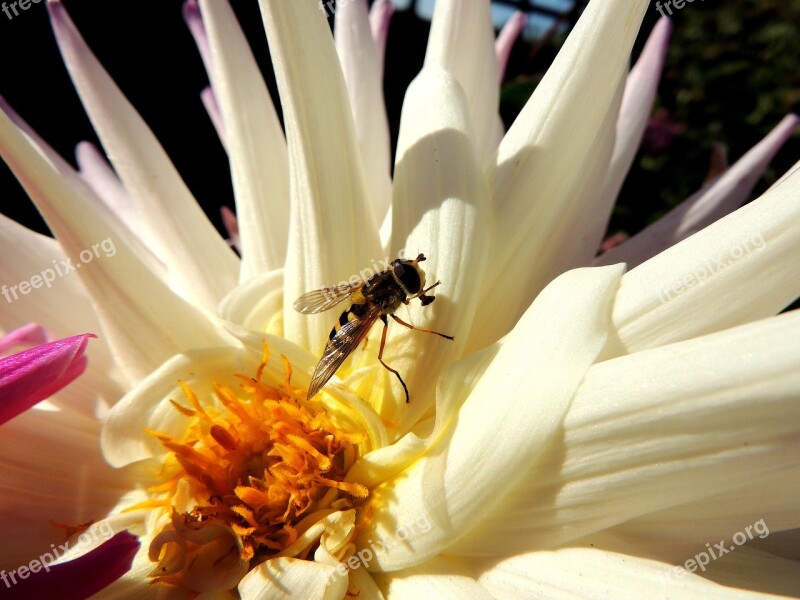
pixel 324 299
pixel 347 339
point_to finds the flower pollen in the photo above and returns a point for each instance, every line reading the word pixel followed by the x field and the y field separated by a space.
pixel 251 475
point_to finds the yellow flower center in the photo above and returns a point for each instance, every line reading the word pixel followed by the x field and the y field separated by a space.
pixel 254 471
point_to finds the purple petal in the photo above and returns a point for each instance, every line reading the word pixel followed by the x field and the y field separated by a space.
pixel 710 203
pixel 76 579
pixel 505 40
pixel 31 334
pixel 31 376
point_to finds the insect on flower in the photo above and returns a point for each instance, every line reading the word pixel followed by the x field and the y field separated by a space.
pixel 376 298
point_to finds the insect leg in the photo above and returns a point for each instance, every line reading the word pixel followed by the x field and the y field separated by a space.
pixel 380 356
pixel 404 324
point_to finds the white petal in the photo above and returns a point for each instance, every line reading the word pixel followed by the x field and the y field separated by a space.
pixel 200 263
pixel 105 183
pixel 64 309
pixel 768 506
pixel 256 304
pixel 741 268
pixel 439 578
pixel 524 393
pixel 574 573
pixel 440 209
pixel 706 206
pixel 462 42
pixel 51 468
pixel 101 193
pixel 290 578
pixel 254 140
pixel 332 231
pixel 144 320
pixel 144 407
pixel 659 429
pixel 454 385
pixel 552 162
pixel 362 66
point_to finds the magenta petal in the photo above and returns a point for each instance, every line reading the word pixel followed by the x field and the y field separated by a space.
pixel 79 578
pixel 31 334
pixel 31 376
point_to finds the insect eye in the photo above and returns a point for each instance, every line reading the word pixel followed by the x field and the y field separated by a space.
pixel 408 277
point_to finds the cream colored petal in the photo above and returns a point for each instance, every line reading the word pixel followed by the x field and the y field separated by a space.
pixel 575 573
pixel 256 304
pixel 362 66
pixel 101 193
pixel 145 322
pixel 254 140
pixel 462 42
pixel 741 268
pixel 679 532
pixel 51 468
pixel 200 264
pixel 706 206
pixel 660 429
pixel 637 105
pixel 552 162
pixel 105 183
pixel 740 564
pixel 454 386
pixel 362 585
pixel 524 393
pixel 751 569
pixel 332 230
pixel 145 406
pixel 438 578
pixel 64 308
pixel 440 209
pixel 290 578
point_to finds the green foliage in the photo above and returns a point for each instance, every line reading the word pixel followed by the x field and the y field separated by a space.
pixel 732 73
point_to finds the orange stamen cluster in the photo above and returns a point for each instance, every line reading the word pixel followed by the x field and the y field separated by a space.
pixel 261 464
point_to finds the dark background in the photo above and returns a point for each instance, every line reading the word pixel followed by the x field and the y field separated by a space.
pixel 732 74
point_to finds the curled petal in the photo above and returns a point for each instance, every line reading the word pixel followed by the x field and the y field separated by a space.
pixel 31 376
pixel 27 335
pixel 82 577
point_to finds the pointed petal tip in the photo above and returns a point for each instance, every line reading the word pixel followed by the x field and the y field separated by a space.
pixel 28 377
pixel 191 10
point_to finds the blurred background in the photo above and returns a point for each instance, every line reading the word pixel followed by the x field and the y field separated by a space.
pixel 732 73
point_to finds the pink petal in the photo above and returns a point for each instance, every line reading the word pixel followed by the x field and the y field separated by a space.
pixel 104 181
pixel 231 226
pixel 380 15
pixel 209 100
pixel 31 334
pixel 710 203
pixel 194 21
pixel 505 40
pixel 31 376
pixel 76 579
